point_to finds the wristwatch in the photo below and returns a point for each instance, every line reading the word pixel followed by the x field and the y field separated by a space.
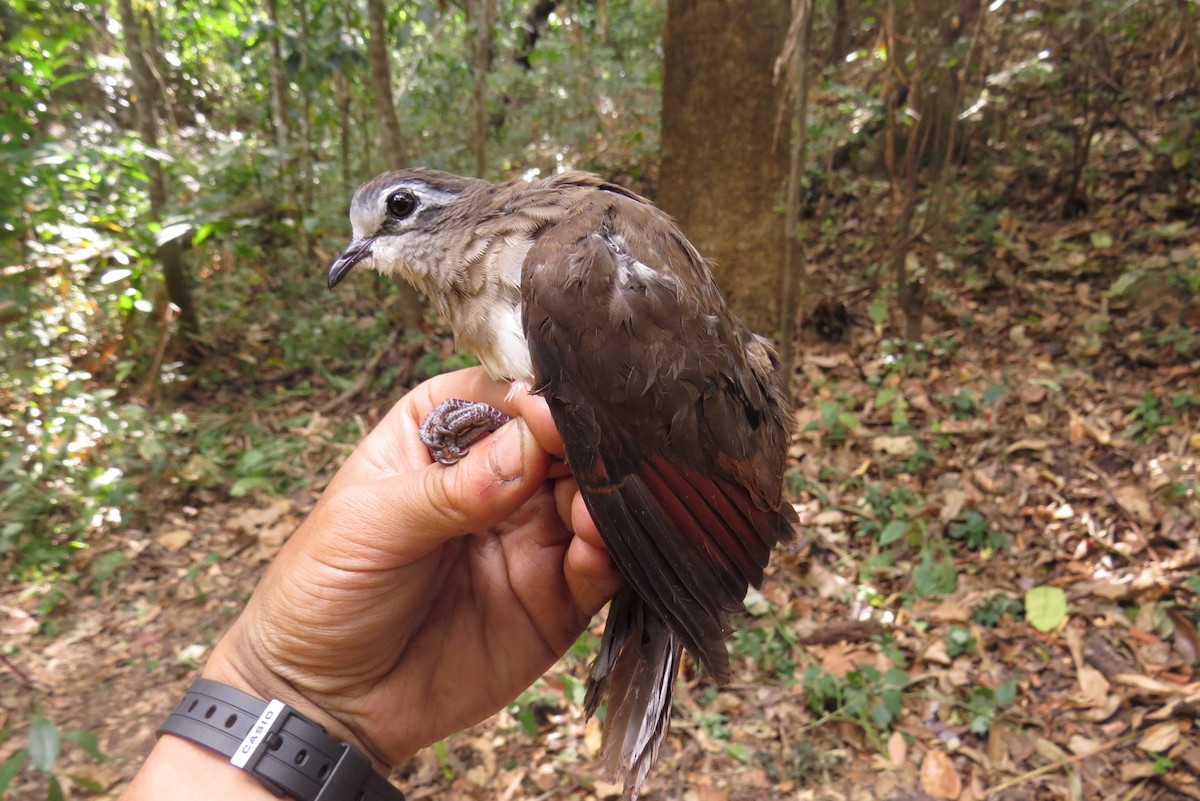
pixel 277 745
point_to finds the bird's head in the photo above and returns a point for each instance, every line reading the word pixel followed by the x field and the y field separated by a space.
pixel 406 222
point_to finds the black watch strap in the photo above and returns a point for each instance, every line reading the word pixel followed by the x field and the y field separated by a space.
pixel 277 745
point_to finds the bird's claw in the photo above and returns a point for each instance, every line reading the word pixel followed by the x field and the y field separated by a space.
pixel 455 425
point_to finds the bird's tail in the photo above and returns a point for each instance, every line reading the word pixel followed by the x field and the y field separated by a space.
pixel 635 673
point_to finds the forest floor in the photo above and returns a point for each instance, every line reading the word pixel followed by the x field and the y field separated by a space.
pixel 995 595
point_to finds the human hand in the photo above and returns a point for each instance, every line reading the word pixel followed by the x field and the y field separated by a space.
pixel 418 599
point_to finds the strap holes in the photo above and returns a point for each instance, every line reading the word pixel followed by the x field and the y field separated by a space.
pixel 212 710
pixel 231 721
pixel 192 706
pixel 274 742
pixel 301 756
pixel 323 771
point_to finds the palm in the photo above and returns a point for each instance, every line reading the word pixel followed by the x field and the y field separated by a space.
pixel 407 633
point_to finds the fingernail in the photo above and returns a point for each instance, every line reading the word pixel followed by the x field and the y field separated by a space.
pixel 506 454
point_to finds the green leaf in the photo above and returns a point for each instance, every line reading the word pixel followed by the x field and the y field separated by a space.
pixel 87 783
pixel 86 740
pixel 244 485
pixel 202 233
pixel 893 531
pixel 993 393
pixel 10 768
pixel 55 793
pixel 739 752
pixel 1006 693
pixel 1102 239
pixel 1045 607
pixel 43 744
pixel 877 311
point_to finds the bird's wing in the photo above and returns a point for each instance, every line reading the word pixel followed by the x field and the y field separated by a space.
pixel 673 421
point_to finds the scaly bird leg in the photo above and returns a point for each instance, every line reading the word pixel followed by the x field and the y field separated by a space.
pixel 455 425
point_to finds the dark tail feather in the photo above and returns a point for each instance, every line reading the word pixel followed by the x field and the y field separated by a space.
pixel 635 673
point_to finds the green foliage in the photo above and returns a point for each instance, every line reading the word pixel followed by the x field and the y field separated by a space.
pixel 960 641
pixel 431 364
pixel 962 405
pixel 835 419
pixel 1147 417
pixel 935 574
pixel 870 698
pixel 992 611
pixel 41 755
pixel 982 705
pixel 1045 607
pixel 972 528
pixel 72 461
pixel 532 707
pixel 770 647
pixel 891 513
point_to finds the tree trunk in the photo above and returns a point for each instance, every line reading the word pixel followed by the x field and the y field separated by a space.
pixel 395 153
pixel 279 120
pixel 341 92
pixel 307 158
pixel 170 254
pixel 723 174
pixel 483 45
pixel 792 288
pixel 410 310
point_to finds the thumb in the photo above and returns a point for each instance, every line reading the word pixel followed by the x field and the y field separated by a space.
pixel 492 481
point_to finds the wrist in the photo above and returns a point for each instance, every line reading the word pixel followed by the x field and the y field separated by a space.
pixel 236 663
pixel 183 771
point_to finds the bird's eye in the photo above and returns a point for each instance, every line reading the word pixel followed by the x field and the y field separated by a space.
pixel 401 204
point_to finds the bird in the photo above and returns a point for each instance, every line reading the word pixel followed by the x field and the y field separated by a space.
pixel 673 414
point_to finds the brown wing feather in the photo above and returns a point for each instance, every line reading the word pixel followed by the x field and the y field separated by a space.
pixel 677 440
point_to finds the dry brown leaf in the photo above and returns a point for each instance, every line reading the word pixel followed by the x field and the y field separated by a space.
pixel 1132 771
pixel 1134 501
pixel 1032 393
pixel 706 792
pixel 1028 445
pixel 829 517
pixel 1159 737
pixel 604 789
pixel 593 738
pixel 14 620
pixel 939 777
pixel 897 748
pixel 1078 744
pixel 839 662
pixel 997 745
pixel 1146 684
pixel 272 538
pixel 951 612
pixel 251 519
pixel 829 584
pixel 1185 639
pixel 902 447
pixel 936 653
pixel 1093 686
pixel 174 540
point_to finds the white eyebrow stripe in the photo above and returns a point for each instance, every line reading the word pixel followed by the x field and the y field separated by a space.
pixel 426 193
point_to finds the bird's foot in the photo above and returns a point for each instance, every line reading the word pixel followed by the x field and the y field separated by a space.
pixel 455 425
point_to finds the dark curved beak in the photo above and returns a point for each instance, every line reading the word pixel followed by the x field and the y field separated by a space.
pixel 357 251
